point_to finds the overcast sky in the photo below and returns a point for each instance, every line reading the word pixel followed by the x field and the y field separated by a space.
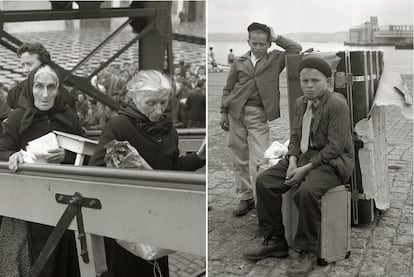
pixel 233 16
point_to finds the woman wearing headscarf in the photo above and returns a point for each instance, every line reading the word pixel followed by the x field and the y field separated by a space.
pixel 41 110
pixel 144 125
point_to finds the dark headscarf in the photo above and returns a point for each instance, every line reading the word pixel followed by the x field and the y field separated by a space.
pixel 154 130
pixel 26 102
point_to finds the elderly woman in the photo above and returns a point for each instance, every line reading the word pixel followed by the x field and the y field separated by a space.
pixel 144 125
pixel 41 109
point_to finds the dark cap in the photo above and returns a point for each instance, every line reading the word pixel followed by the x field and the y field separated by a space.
pixel 258 27
pixel 316 63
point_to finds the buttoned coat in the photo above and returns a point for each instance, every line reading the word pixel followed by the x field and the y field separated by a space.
pixel 243 79
pixel 330 133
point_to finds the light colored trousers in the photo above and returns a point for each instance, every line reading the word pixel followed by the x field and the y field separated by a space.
pixel 248 138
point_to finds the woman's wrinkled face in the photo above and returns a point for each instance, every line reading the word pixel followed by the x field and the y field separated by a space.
pixel 45 89
pixel 151 103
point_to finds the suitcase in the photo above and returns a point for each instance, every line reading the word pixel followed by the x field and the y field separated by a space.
pixel 361 71
pixel 356 77
pixel 335 223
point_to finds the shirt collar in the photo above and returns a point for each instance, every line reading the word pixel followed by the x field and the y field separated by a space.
pixel 317 101
pixel 253 57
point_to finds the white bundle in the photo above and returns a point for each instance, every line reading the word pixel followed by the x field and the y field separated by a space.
pixel 276 151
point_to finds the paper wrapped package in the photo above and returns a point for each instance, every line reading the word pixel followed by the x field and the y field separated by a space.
pixel 276 151
pixel 37 149
pixel 144 251
pixel 120 154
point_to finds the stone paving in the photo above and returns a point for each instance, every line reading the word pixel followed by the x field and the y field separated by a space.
pixel 383 248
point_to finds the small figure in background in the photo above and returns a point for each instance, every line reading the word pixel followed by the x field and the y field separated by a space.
pixel 182 16
pixel 230 57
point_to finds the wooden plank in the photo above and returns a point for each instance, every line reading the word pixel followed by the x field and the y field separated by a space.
pixel 153 212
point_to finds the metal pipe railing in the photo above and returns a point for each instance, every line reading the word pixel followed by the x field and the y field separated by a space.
pixel 182 133
pixel 122 50
pixel 161 178
pixel 46 15
pixel 101 45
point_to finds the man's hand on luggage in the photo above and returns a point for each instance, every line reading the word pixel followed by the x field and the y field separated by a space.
pixel 224 121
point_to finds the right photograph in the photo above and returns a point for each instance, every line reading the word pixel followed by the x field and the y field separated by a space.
pixel 310 134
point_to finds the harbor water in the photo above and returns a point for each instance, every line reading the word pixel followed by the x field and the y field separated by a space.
pixel 398 60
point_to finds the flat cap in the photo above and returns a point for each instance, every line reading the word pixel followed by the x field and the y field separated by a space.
pixel 316 63
pixel 258 26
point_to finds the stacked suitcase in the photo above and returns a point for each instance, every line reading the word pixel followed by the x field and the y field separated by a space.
pixel 361 71
pixel 335 223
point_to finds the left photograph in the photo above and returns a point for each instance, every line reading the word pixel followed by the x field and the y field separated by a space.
pixel 103 139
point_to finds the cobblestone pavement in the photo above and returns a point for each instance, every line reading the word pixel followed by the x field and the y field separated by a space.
pixel 69 47
pixel 383 248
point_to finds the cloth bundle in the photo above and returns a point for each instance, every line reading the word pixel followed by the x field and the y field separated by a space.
pixel 276 151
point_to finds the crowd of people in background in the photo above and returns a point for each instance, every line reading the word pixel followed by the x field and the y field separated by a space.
pixel 187 106
pixel 188 103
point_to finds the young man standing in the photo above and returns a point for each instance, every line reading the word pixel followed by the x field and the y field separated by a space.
pixel 251 99
pixel 320 157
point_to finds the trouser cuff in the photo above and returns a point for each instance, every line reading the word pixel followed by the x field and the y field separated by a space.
pixel 306 245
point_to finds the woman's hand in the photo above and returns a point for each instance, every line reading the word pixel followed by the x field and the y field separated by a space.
pixel 56 156
pixel 14 160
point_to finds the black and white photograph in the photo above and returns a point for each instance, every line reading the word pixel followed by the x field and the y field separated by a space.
pixel 103 138
pixel 206 138
pixel 310 129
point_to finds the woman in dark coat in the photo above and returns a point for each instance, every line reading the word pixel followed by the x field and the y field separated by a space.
pixel 144 125
pixel 41 110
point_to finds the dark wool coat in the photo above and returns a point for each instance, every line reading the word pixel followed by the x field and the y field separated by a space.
pixel 11 141
pixel 160 150
pixel 24 124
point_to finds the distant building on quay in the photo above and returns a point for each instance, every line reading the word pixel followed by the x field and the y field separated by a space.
pixel 370 33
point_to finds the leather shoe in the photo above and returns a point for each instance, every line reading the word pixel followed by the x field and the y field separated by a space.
pixel 244 207
pixel 303 266
pixel 271 247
